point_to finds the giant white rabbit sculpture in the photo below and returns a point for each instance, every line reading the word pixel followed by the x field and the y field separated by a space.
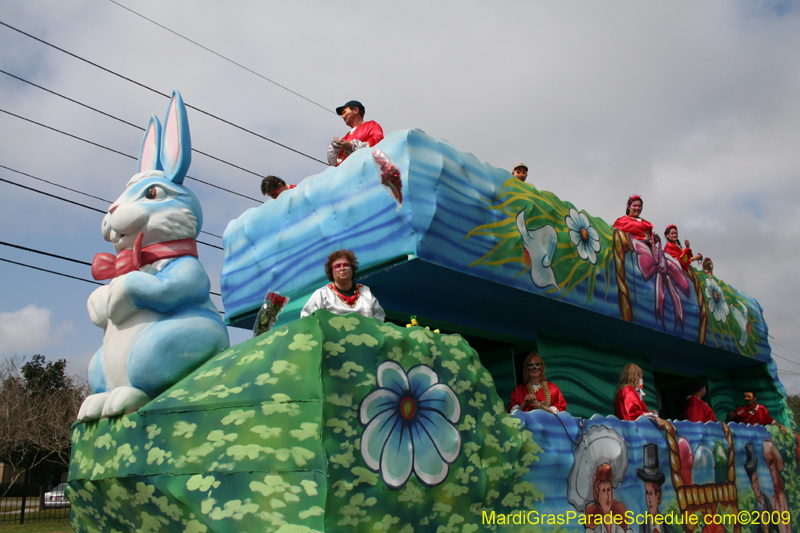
pixel 157 315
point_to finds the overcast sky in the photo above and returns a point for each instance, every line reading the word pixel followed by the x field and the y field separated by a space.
pixel 693 105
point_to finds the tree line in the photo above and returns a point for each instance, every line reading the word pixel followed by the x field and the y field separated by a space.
pixel 38 404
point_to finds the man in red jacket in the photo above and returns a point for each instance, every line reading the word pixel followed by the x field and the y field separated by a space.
pixel 361 135
pixel 753 413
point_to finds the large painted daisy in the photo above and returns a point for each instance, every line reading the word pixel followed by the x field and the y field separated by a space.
pixel 583 235
pixel 410 425
pixel 716 301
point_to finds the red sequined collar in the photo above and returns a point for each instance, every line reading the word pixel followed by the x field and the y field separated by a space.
pixel 349 300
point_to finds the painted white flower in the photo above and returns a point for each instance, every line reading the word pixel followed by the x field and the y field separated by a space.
pixel 583 235
pixel 716 301
pixel 741 320
pixel 409 425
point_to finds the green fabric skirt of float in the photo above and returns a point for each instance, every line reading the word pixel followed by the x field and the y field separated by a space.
pixel 328 423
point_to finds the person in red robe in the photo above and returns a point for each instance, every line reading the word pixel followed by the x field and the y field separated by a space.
pixel 361 135
pixel 697 410
pixel 628 403
pixel 673 248
pixel 536 392
pixel 633 222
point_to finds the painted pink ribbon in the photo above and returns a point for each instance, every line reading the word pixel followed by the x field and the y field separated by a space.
pixel 668 274
pixel 109 266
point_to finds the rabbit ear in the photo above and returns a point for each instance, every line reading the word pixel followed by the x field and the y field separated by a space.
pixel 148 156
pixel 176 145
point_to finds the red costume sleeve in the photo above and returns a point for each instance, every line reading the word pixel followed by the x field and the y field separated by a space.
pixel 556 398
pixel 674 250
pixel 683 255
pixel 518 397
pixel 639 228
pixel 373 135
pixel 760 415
pixel 763 416
pixel 628 405
pixel 369 132
pixel 698 411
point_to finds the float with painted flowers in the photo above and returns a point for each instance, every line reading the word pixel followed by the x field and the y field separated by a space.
pixel 345 423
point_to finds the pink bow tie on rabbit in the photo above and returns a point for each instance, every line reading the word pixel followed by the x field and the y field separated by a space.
pixel 110 266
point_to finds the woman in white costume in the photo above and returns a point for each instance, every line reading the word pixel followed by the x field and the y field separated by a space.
pixel 343 295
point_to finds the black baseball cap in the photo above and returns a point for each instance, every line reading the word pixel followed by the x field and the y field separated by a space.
pixel 351 103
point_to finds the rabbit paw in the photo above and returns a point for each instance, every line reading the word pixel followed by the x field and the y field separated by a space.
pixel 119 308
pixel 92 407
pixel 124 400
pixel 98 307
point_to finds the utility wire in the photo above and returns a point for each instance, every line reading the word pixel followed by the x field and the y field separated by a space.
pixel 123 121
pixel 55 184
pixel 51 195
pixel 222 56
pixel 160 93
pixel 45 253
pixel 51 271
pixel 785 359
pixel 120 153
pixel 73 190
pixel 67 134
pixel 85 206
pixel 75 277
pixel 58 257
pixel 782 346
pixel 23 80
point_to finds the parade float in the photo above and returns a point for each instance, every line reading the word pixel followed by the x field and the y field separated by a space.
pixel 346 423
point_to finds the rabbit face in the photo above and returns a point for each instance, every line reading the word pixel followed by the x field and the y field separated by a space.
pixel 155 206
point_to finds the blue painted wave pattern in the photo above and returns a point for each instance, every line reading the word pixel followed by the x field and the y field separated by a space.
pixel 282 245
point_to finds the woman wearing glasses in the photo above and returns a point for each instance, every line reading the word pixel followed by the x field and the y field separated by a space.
pixel 536 392
pixel 343 295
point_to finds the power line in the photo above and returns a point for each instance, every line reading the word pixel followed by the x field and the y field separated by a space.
pixel 121 153
pixel 45 253
pixel 74 277
pixel 222 56
pixel 73 190
pixel 160 93
pixel 67 134
pixel 55 184
pixel 123 120
pixel 86 206
pixel 51 271
pixel 71 100
pixel 52 195
pixel 785 359
pixel 782 346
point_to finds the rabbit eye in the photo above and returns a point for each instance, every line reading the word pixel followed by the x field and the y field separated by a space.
pixel 154 193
